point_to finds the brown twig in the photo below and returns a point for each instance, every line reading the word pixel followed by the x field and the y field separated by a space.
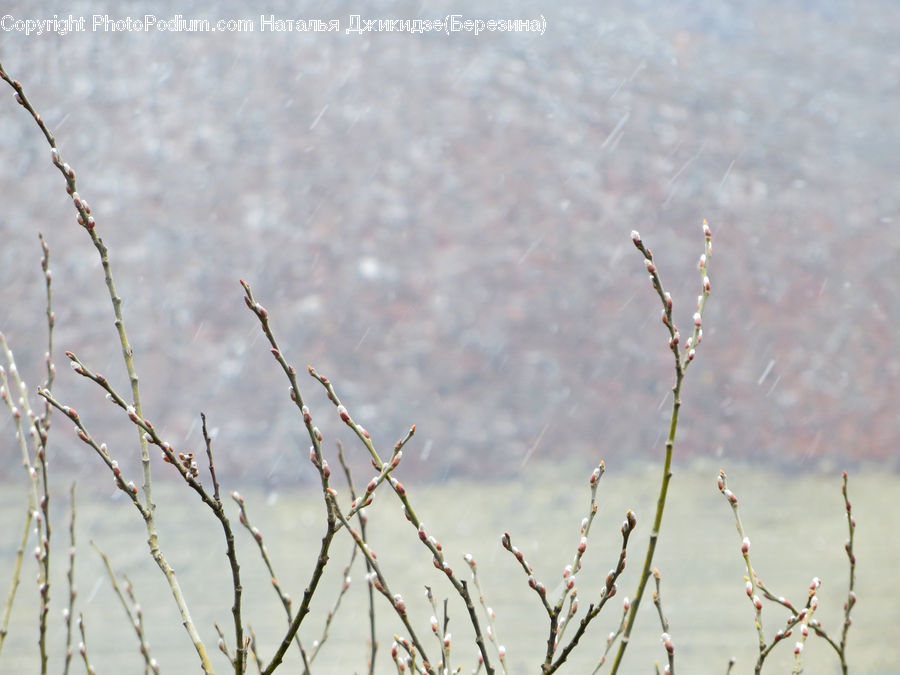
pixel 379 582
pixel 43 551
pixel 851 586
pixel 70 578
pixel 51 322
pixel 491 629
pixel 14 581
pixel 613 636
pixel 608 591
pixel 283 596
pixel 361 516
pixel 8 390
pixel 132 609
pixel 82 647
pixel 664 622
pixel 384 470
pixel 240 657
pixel 802 619
pixel 253 651
pixel 321 465
pixel 86 220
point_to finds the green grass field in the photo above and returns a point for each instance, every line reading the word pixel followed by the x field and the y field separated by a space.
pixel 796 524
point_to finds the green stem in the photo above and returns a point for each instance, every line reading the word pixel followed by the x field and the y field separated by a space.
pixel 657 521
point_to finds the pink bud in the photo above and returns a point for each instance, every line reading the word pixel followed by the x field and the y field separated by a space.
pixel 745 545
pixel 667 642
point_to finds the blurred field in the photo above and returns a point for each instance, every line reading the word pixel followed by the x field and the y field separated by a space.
pixel 795 523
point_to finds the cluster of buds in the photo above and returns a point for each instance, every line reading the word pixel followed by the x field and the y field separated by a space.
pixel 186 459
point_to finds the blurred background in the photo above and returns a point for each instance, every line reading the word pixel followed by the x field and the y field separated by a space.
pixel 441 225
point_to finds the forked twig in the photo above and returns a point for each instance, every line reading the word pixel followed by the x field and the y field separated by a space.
pixel 682 358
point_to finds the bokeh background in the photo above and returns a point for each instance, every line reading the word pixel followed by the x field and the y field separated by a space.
pixel 441 225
